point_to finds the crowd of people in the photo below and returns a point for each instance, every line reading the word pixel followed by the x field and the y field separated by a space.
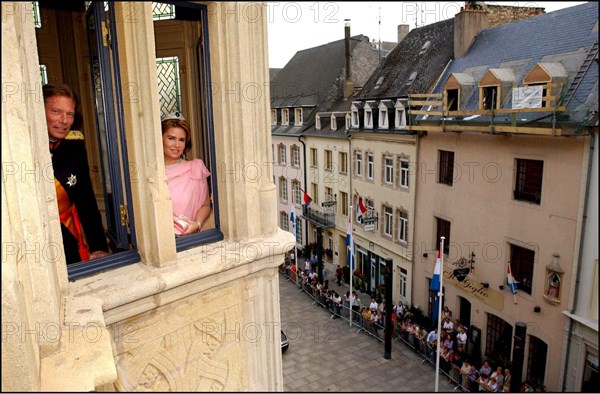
pixel 468 375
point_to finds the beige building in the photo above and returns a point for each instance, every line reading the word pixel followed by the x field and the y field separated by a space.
pixel 200 313
pixel 383 176
pixel 503 178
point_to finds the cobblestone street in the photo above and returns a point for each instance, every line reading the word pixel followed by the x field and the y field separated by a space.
pixel 328 355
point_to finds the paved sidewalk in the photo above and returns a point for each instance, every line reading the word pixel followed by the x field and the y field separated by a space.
pixel 328 355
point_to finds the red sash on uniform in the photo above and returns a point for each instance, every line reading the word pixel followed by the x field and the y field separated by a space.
pixel 70 219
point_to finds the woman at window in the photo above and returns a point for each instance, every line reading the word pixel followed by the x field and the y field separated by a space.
pixel 187 180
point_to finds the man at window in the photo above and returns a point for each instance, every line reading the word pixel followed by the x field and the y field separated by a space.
pixel 81 223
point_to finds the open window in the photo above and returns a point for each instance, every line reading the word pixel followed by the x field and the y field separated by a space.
pixel 495 88
pixel 78 45
pixel 458 88
pixel 547 75
pixel 386 114
pixel 357 111
pixel 371 114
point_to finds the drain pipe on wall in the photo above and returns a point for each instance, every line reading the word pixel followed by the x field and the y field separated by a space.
pixel 580 254
pixel 300 137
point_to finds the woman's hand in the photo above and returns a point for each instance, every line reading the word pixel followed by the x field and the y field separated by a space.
pixel 193 226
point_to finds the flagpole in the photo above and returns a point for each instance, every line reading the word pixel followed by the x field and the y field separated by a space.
pixel 439 328
pixel 293 210
pixel 351 251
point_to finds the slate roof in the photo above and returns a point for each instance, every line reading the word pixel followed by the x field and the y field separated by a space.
pixel 406 58
pixel 307 77
pixel 314 79
pixel 273 72
pixel 563 36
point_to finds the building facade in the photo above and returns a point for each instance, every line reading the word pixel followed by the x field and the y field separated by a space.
pixel 159 314
pixel 504 182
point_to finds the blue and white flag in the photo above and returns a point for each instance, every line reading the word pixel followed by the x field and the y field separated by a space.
pixel 434 285
pixel 512 283
pixel 350 245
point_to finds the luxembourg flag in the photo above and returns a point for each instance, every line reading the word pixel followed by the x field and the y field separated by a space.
pixel 512 283
pixel 350 245
pixel 437 271
pixel 306 198
pixel 360 210
pixel 434 285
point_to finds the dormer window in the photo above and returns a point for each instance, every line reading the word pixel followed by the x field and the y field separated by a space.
pixel 458 88
pixel 489 99
pixel 348 118
pixel 356 113
pixel 285 116
pixel 273 117
pixel 337 120
pixel 549 75
pixel 370 106
pixel 400 118
pixel 317 122
pixel 299 117
pixel 386 114
pixel 495 87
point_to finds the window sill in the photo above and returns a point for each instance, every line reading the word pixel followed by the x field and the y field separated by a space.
pixel 550 300
pixel 196 269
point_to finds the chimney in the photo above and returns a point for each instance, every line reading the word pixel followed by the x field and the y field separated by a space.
pixel 348 84
pixel 402 31
pixel 468 23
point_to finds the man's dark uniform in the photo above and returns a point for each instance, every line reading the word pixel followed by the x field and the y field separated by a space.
pixel 71 170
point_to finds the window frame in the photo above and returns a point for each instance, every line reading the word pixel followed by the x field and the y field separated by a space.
pixel 358 163
pixel 295 156
pixel 344 203
pixel 343 162
pixel 443 228
pixel 282 154
pixel 402 226
pixel 404 173
pixel 446 167
pixel 328 160
pixel 299 117
pixel 388 221
pixel 131 255
pixel 522 265
pixel 284 221
pixel 283 192
pixel 285 116
pixel 529 180
pixel 388 172
pixel 370 166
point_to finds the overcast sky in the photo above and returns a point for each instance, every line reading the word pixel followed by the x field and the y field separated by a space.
pixel 294 26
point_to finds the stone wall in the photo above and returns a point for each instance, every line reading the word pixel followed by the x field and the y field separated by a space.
pixel 501 14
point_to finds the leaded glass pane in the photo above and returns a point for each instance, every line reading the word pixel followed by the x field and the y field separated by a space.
pixel 169 89
pixel 162 11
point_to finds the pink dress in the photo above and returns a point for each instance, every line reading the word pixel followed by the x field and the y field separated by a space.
pixel 188 185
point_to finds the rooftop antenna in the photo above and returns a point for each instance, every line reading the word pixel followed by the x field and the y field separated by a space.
pixel 417 16
pixel 379 33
